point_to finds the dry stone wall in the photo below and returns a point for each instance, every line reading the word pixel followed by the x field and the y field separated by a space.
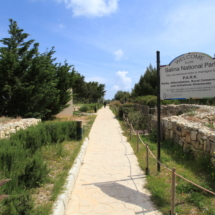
pixel 12 126
pixel 171 110
pixel 191 131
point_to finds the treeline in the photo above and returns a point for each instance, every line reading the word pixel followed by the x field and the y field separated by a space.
pixel 145 92
pixel 32 84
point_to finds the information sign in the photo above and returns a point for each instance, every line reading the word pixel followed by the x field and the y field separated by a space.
pixel 189 76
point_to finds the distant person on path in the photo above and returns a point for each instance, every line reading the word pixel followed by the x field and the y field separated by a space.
pixel 104 103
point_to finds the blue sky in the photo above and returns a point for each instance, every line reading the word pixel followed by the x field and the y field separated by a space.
pixel 114 41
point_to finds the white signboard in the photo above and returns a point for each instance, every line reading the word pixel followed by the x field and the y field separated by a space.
pixel 189 76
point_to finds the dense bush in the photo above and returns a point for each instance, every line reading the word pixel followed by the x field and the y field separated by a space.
pixel 115 103
pixel 90 107
pixel 20 156
pixel 137 119
pixel 126 109
pixel 22 162
pixel 18 204
pixel 42 134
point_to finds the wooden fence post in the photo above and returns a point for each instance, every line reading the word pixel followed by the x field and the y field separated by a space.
pixel 173 193
pixel 137 142
pixel 130 131
pixel 147 159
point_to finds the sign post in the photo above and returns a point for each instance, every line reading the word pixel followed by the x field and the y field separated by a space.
pixel 158 111
pixel 189 76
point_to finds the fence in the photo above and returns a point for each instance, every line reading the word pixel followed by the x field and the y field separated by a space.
pixel 173 170
pixel 148 114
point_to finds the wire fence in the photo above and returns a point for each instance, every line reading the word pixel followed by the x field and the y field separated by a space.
pixel 173 171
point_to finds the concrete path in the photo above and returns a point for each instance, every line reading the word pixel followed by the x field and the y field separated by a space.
pixel 110 180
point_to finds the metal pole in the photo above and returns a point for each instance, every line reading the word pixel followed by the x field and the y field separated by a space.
pixel 173 193
pixel 158 110
pixel 79 130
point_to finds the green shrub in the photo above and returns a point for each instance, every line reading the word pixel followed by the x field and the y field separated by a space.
pixel 153 135
pixel 90 107
pixel 20 157
pixel 35 137
pixel 115 103
pixel 20 204
pixel 84 108
pixel 144 99
pixel 137 120
pixel 126 109
pixel 152 102
pixel 35 172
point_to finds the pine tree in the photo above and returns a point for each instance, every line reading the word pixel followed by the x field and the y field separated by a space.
pixel 147 84
pixel 15 59
pixel 31 83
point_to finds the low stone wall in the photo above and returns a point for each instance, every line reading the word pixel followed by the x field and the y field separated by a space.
pixel 12 126
pixel 170 110
pixel 192 134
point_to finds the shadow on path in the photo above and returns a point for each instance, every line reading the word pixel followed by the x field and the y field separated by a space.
pixel 126 194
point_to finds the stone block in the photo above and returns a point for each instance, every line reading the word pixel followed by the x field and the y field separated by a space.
pixel 177 138
pixel 13 131
pixel 169 125
pixel 204 137
pixel 18 128
pixel 213 161
pixel 205 145
pixel 199 136
pixel 166 135
pixel 212 137
pixel 188 137
pixel 2 135
pixel 212 150
pixel 180 143
pixel 171 134
pixel 193 135
pixel 177 132
pixel 195 144
pixel 208 147
pixel 184 132
pixel 165 122
pixel 173 126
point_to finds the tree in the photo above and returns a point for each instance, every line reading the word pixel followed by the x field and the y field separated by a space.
pixel 147 84
pixel 78 85
pixel 122 95
pixel 31 84
pixel 95 91
pixel 86 91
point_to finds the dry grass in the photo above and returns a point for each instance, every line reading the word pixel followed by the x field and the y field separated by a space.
pixel 202 110
pixel 193 119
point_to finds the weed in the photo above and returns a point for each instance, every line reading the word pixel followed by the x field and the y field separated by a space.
pixel 153 135
pixel 191 112
pixel 209 125
pixel 196 199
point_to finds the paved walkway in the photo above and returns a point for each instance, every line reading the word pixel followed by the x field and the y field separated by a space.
pixel 110 180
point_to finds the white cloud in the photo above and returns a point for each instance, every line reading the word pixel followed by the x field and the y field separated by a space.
pixel 190 24
pixel 118 54
pixel 96 79
pixel 91 7
pixel 61 26
pixel 122 82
